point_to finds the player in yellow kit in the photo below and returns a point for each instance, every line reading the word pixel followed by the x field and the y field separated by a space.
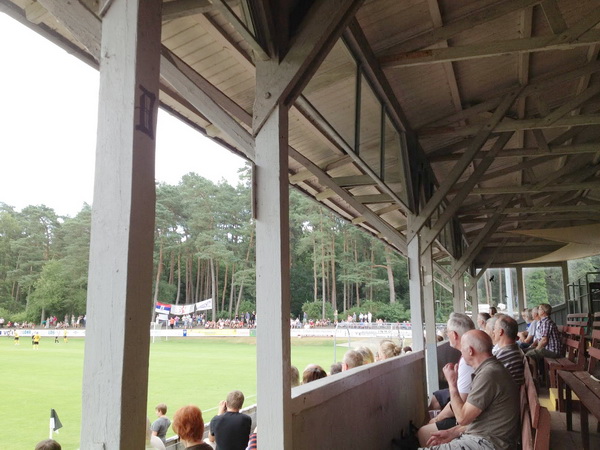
pixel 36 341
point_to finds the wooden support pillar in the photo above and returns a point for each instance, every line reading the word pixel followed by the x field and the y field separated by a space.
pixel 522 299
pixel 119 306
pixel 273 282
pixel 458 293
pixel 565 276
pixel 429 313
pixel 415 282
pixel 474 296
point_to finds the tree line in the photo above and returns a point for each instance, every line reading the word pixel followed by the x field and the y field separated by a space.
pixel 205 248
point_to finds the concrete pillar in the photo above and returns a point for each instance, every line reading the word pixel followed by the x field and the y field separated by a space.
pixel 273 283
pixel 115 375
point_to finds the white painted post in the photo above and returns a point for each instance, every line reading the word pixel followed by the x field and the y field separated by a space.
pixel 430 331
pixel 565 276
pixel 522 300
pixel 273 283
pixel 416 296
pixel 458 293
pixel 120 273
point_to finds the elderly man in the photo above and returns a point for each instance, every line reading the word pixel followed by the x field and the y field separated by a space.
pixel 547 343
pixel 509 352
pixel 352 359
pixel 458 325
pixel 489 418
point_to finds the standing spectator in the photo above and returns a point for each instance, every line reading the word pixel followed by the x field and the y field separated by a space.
pixel 189 425
pixel 230 428
pixel 161 425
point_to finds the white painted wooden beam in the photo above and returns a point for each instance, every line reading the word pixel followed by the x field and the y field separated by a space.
pixel 284 81
pixel 429 316
pixel 273 282
pixel 119 306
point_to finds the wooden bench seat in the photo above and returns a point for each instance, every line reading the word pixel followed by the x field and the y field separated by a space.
pixel 574 360
pixel 535 419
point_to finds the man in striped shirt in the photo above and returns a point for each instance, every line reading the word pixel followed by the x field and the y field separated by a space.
pixel 509 353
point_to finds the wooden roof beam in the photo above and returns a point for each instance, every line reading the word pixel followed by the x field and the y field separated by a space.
pixel 178 9
pixel 571 38
pixel 457 170
pixel 592 185
pixel 540 210
pixel 574 149
pixel 469 19
pixel 282 81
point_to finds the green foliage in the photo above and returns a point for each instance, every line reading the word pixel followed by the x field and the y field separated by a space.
pixel 388 312
pixel 535 284
pixel 314 310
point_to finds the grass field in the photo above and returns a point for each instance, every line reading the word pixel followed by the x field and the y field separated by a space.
pixel 183 371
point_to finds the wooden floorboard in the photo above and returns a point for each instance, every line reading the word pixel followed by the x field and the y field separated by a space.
pixel 560 438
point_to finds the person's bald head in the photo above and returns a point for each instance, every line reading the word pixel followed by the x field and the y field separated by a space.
pixel 476 347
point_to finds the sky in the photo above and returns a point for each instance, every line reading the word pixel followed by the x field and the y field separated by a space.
pixel 48 118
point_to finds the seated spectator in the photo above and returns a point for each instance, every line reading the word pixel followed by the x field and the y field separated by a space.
pixel 189 426
pixel 48 444
pixel 493 311
pixel 531 329
pixel 489 418
pixel 547 343
pixel 351 360
pixel 387 349
pixel 295 376
pixel 161 425
pixel 407 349
pixel 253 441
pixel 367 354
pixel 335 368
pixel 489 329
pixel 153 441
pixel 313 372
pixel 528 318
pixel 509 353
pixel 458 324
pixel 482 319
pixel 230 428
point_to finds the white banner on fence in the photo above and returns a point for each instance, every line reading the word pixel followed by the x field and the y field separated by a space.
pixel 204 305
pixel 182 309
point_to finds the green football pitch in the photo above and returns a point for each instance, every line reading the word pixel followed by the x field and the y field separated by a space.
pixel 183 371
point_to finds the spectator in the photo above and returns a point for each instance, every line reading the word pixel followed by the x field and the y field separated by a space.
pixel 253 441
pixel 189 425
pixel 509 353
pixel 493 311
pixel 489 329
pixel 312 372
pixel 351 360
pixel 48 444
pixel 295 375
pixel 532 329
pixel 153 441
pixel 489 417
pixel 407 349
pixel 482 318
pixel 162 424
pixel 547 342
pixel 458 325
pixel 335 368
pixel 387 349
pixel 230 428
pixel 367 354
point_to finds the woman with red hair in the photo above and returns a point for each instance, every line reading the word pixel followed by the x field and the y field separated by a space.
pixel 189 425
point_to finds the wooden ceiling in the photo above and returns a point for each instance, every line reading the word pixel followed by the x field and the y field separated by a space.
pixel 479 117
